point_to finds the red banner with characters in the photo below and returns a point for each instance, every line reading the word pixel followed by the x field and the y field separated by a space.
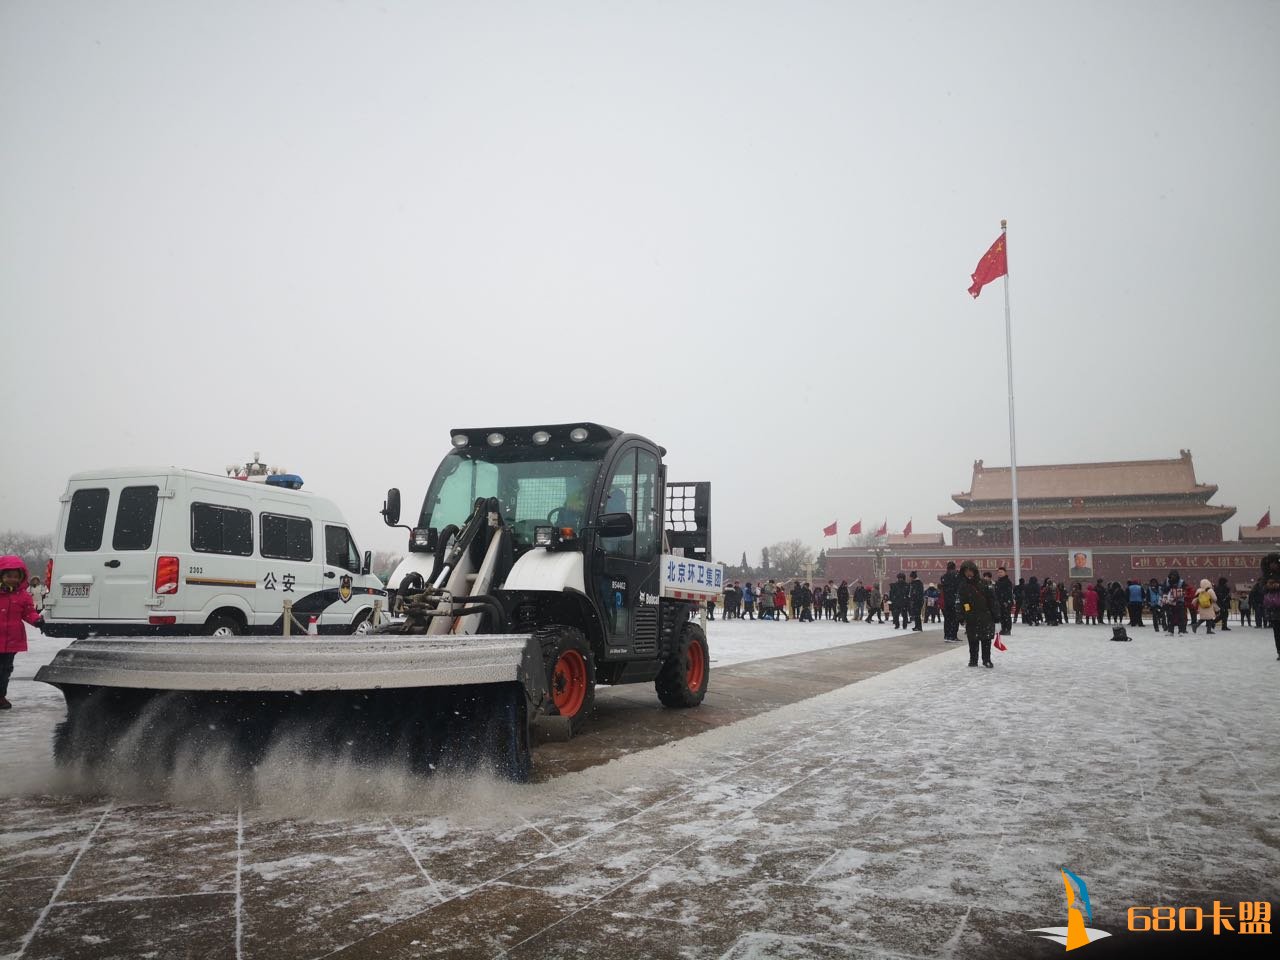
pixel 940 563
pixel 1196 561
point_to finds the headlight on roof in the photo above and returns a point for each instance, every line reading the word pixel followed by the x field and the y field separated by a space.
pixel 578 434
pixel 494 439
pixel 459 440
pixel 540 437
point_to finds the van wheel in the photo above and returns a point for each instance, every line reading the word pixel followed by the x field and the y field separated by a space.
pixel 221 625
pixel 362 625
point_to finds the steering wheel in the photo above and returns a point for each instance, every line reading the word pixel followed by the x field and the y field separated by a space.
pixel 553 517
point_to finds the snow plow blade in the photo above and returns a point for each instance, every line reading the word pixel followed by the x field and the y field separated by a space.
pixel 428 702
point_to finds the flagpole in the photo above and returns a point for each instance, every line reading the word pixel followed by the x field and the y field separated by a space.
pixel 1013 434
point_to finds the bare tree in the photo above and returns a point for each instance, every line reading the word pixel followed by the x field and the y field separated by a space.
pixel 865 540
pixel 789 558
pixel 35 549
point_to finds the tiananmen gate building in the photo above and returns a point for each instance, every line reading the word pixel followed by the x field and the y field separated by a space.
pixel 1131 519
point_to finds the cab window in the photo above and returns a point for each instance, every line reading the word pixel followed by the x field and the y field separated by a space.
pixel 619 497
pixel 647 515
pixel 85 520
pixel 340 549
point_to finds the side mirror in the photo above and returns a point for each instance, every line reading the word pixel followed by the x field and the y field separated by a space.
pixel 368 562
pixel 391 507
pixel 615 525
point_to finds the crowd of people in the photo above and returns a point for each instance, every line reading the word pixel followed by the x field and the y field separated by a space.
pixel 907 599
pixel 985 603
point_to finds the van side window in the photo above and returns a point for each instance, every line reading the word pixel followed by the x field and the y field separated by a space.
pixel 285 538
pixel 218 529
pixel 340 549
pixel 85 520
pixel 135 518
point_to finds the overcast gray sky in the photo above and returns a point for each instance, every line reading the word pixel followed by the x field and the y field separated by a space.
pixel 330 231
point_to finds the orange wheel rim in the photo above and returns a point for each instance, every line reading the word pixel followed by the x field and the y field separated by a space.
pixel 569 683
pixel 697 666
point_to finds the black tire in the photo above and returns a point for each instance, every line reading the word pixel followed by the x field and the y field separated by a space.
pixel 681 683
pixel 362 619
pixel 560 642
pixel 224 625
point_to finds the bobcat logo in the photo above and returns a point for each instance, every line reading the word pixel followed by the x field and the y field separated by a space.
pixel 344 588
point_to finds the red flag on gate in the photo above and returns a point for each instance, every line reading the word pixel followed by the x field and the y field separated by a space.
pixel 855 529
pixel 998 644
pixel 1266 520
pixel 994 263
pixel 884 529
pixel 829 531
pixel 906 531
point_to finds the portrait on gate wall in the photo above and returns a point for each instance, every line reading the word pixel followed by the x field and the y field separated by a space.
pixel 1080 563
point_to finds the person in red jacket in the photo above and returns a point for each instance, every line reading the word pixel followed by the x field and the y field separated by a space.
pixel 16 608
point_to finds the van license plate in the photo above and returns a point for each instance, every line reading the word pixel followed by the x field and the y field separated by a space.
pixel 72 590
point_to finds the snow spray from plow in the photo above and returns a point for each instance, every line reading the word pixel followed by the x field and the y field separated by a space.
pixel 155 704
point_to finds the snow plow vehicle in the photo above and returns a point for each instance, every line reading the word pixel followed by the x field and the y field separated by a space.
pixel 540 565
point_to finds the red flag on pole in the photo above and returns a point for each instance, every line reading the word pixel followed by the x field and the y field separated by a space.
pixel 855 529
pixel 884 529
pixel 906 531
pixel 829 531
pixel 994 264
pixel 1266 520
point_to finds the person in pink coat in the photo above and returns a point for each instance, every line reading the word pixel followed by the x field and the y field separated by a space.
pixel 1090 603
pixel 16 608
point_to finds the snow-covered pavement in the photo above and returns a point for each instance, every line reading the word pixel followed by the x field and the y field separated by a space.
pixel 925 811
pixel 739 641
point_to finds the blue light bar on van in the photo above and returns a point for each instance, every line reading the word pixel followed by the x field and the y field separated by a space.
pixel 290 480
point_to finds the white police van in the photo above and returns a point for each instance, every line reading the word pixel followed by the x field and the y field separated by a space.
pixel 178 551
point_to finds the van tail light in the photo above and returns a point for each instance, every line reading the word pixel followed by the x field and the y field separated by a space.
pixel 162 621
pixel 166 575
pixel 48 574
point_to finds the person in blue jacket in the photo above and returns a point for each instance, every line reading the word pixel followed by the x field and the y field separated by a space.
pixel 1135 603
pixel 1154 601
pixel 749 600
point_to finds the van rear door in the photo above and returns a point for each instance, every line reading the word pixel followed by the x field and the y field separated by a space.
pixel 128 573
pixel 77 568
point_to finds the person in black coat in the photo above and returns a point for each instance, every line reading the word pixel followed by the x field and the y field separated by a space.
pixel 1004 600
pixel 978 609
pixel 842 601
pixel 1255 604
pixel 1118 602
pixel 915 599
pixel 1224 601
pixel 1031 602
pixel 1270 583
pixel 948 584
pixel 898 595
